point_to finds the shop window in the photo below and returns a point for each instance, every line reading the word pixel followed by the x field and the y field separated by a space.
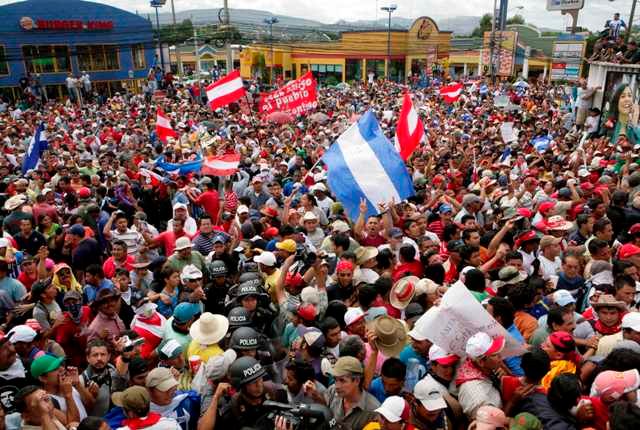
pixel 328 74
pixel 138 56
pixel 46 58
pixel 354 70
pixel 4 66
pixel 377 67
pixel 396 70
pixel 94 58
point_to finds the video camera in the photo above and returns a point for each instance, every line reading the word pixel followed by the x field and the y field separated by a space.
pixel 302 415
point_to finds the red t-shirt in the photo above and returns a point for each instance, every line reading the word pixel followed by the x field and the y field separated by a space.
pixel 109 267
pixel 405 269
pixel 210 201
pixel 167 239
pixel 375 241
pixel 26 280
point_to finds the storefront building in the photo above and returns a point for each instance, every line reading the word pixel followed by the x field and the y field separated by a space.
pixel 354 56
pixel 49 39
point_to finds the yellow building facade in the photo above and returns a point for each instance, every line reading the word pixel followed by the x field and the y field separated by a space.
pixel 356 56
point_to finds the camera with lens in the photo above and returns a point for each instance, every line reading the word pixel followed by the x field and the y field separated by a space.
pixel 101 379
pixel 302 416
pixel 307 257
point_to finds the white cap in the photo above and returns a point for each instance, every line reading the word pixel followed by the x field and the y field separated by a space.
pixel 310 295
pixel 563 298
pixel 179 206
pixel 242 209
pixel 319 187
pixel 632 321
pixel 481 344
pixel 340 226
pixel 441 356
pixel 394 409
pixel 267 258
pixel 352 315
pixel 428 392
pixel 21 333
pixel 190 272
pixel 183 243
pixel 309 216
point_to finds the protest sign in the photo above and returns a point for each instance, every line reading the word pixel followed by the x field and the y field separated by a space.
pixel 506 131
pixel 459 317
pixel 296 98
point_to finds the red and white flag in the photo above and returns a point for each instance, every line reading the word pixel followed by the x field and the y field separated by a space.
pixel 163 127
pixel 410 130
pixel 151 177
pixel 226 90
pixel 451 93
pixel 221 165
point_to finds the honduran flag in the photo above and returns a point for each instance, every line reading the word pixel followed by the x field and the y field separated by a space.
pixel 362 164
pixel 221 165
pixel 451 93
pixel 226 90
pixel 163 127
pixel 410 130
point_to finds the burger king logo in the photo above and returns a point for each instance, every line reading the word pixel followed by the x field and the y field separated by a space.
pixel 27 23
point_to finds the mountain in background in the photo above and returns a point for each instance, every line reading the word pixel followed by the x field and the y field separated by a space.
pixel 244 19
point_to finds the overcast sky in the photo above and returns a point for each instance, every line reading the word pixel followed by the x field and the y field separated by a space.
pixel 592 16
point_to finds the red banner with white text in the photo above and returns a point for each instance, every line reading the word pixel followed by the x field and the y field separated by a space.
pixel 297 97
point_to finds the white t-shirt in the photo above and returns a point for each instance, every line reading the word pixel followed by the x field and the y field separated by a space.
pixel 76 398
pixel 549 268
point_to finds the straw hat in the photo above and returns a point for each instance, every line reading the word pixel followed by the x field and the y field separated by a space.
pixel 209 329
pixel 365 253
pixel 403 292
pixel 608 301
pixel 391 336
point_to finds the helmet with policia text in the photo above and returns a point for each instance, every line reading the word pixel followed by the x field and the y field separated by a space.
pixel 249 276
pixel 250 288
pixel 244 338
pixel 217 268
pixel 239 317
pixel 244 371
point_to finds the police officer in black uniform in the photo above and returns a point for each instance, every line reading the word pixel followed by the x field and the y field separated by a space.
pixel 217 288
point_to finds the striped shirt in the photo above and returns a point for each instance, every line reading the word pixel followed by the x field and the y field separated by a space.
pixel 132 238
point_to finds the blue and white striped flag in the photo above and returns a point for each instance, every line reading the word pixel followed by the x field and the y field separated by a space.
pixel 37 144
pixel 541 144
pixel 362 163
pixel 484 89
pixel 505 158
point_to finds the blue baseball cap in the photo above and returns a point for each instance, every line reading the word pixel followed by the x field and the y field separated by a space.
pixel 445 208
pixel 185 311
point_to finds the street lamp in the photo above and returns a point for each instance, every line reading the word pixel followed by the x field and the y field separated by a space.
pixel 158 4
pixel 389 9
pixel 270 21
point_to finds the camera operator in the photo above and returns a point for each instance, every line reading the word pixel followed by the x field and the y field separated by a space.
pixel 246 407
pixel 100 377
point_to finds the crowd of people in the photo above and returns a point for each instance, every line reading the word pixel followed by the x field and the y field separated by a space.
pixel 135 298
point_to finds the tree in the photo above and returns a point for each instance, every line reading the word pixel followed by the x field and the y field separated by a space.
pixel 516 19
pixel 485 25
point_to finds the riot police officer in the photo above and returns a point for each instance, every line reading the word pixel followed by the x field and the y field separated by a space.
pixel 218 288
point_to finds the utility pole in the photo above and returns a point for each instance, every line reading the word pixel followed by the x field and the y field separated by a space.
pixel 631 16
pixel 389 9
pixel 178 58
pixel 158 4
pixel 195 46
pixel 492 43
pixel 227 18
pixel 270 22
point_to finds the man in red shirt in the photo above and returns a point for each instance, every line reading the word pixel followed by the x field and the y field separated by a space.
pixel 209 200
pixel 167 239
pixel 119 259
pixel 408 265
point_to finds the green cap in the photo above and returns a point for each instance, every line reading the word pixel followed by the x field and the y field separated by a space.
pixel 45 364
pixel 526 421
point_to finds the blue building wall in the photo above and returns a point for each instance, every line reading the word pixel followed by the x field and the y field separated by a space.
pixel 128 29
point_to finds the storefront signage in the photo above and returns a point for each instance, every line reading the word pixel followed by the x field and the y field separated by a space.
pixel 567 61
pixel 28 23
pixel 565 4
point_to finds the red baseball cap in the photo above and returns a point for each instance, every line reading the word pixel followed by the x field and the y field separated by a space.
pixel 84 193
pixel 635 228
pixel 524 212
pixel 440 356
pixel 628 250
pixel 270 233
pixel 307 312
pixel 546 207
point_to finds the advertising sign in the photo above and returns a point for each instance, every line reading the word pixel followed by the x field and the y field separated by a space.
pixel 565 4
pixel 566 62
pixel 504 53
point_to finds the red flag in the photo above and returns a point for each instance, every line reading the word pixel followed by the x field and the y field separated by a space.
pixel 451 93
pixel 410 130
pixel 221 165
pixel 226 90
pixel 163 127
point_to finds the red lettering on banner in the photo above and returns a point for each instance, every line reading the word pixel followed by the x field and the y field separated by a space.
pixel 297 97
pixel 72 24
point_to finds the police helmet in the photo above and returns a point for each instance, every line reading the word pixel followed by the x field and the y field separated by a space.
pixel 245 370
pixel 217 268
pixel 244 338
pixel 239 317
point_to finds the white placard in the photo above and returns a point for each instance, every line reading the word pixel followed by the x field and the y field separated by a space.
pixel 506 131
pixel 459 317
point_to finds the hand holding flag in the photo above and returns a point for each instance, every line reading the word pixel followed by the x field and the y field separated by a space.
pixel 37 145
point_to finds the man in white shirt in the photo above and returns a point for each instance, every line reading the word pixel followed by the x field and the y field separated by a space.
pixel 550 263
